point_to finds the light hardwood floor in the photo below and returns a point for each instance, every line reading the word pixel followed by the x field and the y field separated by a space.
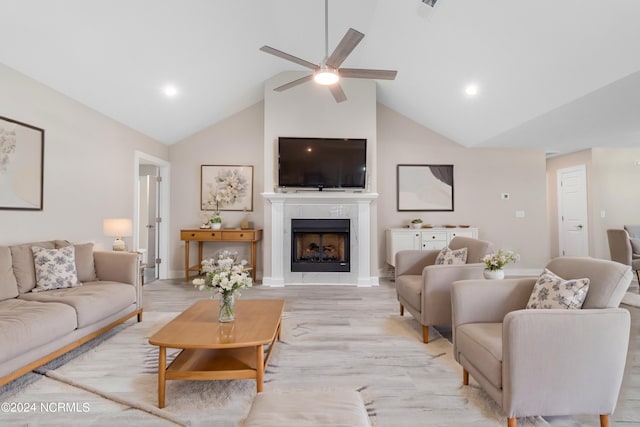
pixel 177 295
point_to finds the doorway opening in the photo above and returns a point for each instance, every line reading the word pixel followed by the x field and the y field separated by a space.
pixel 151 215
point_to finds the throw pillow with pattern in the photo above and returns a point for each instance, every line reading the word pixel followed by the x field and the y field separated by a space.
pixel 552 291
pixel 55 268
pixel 450 257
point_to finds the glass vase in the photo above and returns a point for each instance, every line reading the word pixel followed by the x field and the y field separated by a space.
pixel 227 308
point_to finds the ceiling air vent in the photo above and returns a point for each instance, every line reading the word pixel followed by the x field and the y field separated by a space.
pixel 431 3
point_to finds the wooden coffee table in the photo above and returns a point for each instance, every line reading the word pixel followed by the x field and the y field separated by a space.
pixel 219 351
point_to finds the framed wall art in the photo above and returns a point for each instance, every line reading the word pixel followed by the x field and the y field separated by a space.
pixel 21 165
pixel 425 187
pixel 226 188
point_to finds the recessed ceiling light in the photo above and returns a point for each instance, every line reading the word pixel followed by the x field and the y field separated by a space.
pixel 471 90
pixel 170 90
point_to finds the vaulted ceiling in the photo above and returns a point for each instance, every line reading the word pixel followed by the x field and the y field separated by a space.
pixel 558 74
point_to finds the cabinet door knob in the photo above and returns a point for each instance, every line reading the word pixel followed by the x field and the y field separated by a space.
pixel 213 234
pixel 241 235
pixel 433 237
pixel 193 234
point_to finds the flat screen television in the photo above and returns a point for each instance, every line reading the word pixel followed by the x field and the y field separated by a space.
pixel 322 162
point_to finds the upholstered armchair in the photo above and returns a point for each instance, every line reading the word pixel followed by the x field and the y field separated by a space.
pixel 545 362
pixel 423 288
pixel 621 246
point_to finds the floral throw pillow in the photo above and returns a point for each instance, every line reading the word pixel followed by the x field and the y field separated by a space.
pixel 55 268
pixel 552 291
pixel 450 257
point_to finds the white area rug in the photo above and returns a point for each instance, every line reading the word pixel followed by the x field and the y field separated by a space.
pixel 632 299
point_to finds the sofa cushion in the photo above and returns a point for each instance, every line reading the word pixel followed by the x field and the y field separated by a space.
pixel 55 268
pixel 8 283
pixel 481 344
pixel 23 267
pixel 25 325
pixel 92 302
pixel 85 265
pixel 635 245
pixel 552 291
pixel 451 257
pixel 410 288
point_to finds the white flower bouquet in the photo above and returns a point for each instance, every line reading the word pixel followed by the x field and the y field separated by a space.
pixel 223 275
pixel 500 258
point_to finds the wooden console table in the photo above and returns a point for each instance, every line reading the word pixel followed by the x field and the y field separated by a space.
pixel 224 235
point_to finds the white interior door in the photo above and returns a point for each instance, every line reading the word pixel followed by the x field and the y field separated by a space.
pixel 573 212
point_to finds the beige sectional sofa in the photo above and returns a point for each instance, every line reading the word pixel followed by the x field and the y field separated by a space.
pixel 38 326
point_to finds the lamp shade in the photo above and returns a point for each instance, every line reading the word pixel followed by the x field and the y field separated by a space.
pixel 117 227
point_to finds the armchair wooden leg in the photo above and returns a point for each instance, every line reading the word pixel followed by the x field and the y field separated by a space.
pixel 512 422
pixel 638 274
pixel 425 334
pixel 604 420
pixel 401 310
pixel 465 377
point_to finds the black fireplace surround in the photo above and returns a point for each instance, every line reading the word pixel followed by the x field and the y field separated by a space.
pixel 320 245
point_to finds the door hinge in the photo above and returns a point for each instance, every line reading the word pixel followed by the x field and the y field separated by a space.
pixel 158 220
pixel 158 178
pixel 158 260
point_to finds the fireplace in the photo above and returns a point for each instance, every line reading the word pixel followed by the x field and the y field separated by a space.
pixel 320 245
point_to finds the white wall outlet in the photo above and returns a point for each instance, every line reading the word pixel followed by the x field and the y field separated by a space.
pixel 519 214
pixel 603 214
pixel 504 196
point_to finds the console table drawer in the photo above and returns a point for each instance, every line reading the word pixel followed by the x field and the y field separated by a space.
pixel 205 235
pixel 247 235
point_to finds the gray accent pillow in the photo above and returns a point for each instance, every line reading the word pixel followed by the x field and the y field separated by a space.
pixel 23 268
pixel 84 260
pixel 55 268
pixel 552 291
pixel 635 245
pixel 450 257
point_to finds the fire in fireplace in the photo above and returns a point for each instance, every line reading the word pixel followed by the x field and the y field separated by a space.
pixel 320 245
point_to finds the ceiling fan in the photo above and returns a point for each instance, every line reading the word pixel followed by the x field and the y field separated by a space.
pixel 328 72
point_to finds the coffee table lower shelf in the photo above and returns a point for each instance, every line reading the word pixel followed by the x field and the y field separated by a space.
pixel 243 363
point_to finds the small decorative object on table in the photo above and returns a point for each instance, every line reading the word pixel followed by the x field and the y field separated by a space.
pixel 416 223
pixel 216 221
pixel 224 276
pixel 496 261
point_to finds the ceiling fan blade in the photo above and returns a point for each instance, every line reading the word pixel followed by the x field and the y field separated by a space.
pixel 344 48
pixel 337 92
pixel 294 83
pixel 365 73
pixel 283 55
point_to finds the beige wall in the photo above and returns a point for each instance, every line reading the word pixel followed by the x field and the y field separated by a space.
pixel 480 176
pixel 612 189
pixel 89 171
pixel 236 140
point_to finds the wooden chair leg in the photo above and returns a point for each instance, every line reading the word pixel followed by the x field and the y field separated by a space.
pixel 604 420
pixel 512 422
pixel 638 274
pixel 401 310
pixel 425 334
pixel 465 377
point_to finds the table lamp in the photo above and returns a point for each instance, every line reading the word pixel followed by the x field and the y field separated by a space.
pixel 118 228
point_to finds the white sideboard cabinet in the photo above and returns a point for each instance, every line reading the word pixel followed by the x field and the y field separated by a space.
pixel 400 239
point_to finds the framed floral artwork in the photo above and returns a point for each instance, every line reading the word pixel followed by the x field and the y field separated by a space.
pixel 21 165
pixel 425 187
pixel 226 188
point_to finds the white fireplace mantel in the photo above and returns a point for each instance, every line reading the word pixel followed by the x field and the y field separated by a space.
pixel 321 204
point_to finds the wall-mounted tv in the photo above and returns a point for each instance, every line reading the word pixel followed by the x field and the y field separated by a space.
pixel 322 162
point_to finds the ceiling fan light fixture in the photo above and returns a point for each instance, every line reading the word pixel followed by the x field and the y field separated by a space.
pixel 326 76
